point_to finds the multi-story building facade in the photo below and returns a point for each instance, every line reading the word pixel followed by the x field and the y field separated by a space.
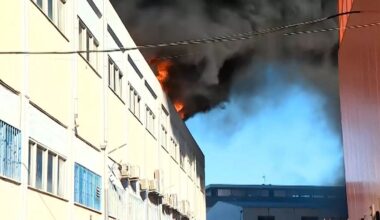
pixel 88 135
pixel 270 202
pixel 359 73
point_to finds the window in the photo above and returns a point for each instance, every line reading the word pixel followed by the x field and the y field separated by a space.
pixel 10 151
pixel 174 149
pixel 163 137
pixel 115 78
pixel 46 169
pixel 237 193
pixel 54 10
pixel 224 192
pixel 61 17
pixel 150 120
pixel 50 165
pixel 87 187
pixel 88 43
pixel 279 193
pixel 265 218
pixel 181 156
pixel 116 201
pixel 39 3
pixel 50 9
pixel 134 102
pixel 61 177
pixel 39 178
pixel 164 132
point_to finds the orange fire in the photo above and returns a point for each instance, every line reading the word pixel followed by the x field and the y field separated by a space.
pixel 163 70
pixel 179 107
pixel 163 67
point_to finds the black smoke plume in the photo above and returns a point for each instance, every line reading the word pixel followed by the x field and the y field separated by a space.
pixel 211 74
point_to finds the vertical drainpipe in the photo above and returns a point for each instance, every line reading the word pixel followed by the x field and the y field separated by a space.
pixel 24 104
pixel 104 109
pixel 72 28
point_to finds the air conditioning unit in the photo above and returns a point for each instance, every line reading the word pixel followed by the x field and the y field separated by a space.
pixel 185 207
pixel 125 171
pixel 144 185
pixel 153 186
pixel 135 173
pixel 166 200
pixel 129 172
pixel 174 201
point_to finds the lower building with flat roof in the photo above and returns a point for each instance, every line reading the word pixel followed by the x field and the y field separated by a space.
pixel 270 202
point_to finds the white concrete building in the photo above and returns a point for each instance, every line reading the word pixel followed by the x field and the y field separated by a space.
pixel 88 135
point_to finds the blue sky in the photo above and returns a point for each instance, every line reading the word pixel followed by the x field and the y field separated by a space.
pixel 285 138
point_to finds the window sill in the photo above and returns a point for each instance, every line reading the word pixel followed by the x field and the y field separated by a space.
pixel 174 159
pixel 90 65
pixel 121 100
pixel 137 118
pixel 10 180
pixel 87 142
pixel 88 208
pixel 165 149
pixel 150 133
pixel 8 87
pixel 47 193
pixel 47 114
pixel 47 17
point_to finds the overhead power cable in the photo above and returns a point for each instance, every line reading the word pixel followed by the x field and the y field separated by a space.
pixel 217 39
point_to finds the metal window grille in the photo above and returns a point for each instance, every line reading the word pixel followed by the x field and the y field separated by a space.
pixel 87 187
pixel 10 151
pixel 116 201
pixel 153 211
pixel 135 207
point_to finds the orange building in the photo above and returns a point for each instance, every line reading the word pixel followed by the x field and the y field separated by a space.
pixel 359 73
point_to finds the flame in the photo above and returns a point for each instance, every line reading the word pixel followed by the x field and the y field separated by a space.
pixel 179 107
pixel 163 67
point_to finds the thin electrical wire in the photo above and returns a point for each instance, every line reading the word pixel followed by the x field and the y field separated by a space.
pixel 218 39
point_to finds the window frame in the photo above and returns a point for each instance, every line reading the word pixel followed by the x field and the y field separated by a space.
pixel 10 151
pixel 134 102
pixel 87 42
pixel 84 188
pixel 58 175
pixel 115 78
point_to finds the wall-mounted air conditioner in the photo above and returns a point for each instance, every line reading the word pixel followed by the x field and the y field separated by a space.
pixel 174 201
pixel 166 200
pixel 125 171
pixel 144 185
pixel 130 172
pixel 153 186
pixel 135 173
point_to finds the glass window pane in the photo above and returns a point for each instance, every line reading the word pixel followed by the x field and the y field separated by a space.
pixel 39 158
pixel 39 3
pixel 61 16
pixel 30 163
pixel 50 9
pixel 60 177
pixel 50 172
